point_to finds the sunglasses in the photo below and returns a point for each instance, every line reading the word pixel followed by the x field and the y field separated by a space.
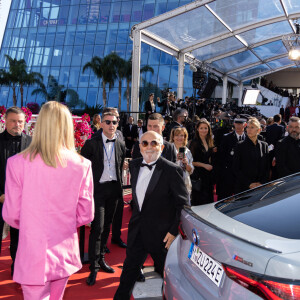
pixel 107 122
pixel 152 143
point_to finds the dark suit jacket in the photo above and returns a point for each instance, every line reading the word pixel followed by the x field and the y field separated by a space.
pixel 168 153
pixel 165 197
pixel 287 156
pixel 274 133
pixel 133 133
pixel 248 167
pixel 164 104
pixel 93 150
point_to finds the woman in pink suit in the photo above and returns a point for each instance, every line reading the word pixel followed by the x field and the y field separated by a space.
pixel 48 194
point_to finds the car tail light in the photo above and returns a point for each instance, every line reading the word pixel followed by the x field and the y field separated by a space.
pixel 267 289
pixel 181 231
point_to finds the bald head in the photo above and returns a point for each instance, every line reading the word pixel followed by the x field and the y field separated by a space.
pixel 151 146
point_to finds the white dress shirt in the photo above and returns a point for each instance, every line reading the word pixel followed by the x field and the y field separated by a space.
pixel 238 136
pixel 143 181
pixel 109 171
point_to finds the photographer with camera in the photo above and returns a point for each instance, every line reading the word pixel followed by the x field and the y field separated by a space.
pixel 168 105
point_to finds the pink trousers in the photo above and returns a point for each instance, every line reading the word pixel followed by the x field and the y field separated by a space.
pixel 52 290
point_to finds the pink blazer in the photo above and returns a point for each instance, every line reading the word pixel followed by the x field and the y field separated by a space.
pixel 47 204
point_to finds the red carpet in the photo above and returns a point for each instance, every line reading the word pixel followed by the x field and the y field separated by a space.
pixel 105 286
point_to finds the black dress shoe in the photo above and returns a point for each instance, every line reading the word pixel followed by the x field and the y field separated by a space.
pixel 141 277
pixel 91 280
pixel 105 267
pixel 119 242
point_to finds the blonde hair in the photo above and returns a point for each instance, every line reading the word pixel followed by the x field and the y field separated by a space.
pixel 176 131
pixel 54 130
pixel 254 121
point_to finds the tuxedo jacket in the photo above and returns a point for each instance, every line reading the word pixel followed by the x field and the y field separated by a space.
pixel 274 133
pixel 133 133
pixel 168 153
pixel 93 150
pixel 165 197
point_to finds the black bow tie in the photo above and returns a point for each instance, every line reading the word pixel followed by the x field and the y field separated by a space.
pixel 110 141
pixel 148 166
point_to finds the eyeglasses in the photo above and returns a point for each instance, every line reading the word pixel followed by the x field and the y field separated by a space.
pixel 152 143
pixel 183 116
pixel 107 122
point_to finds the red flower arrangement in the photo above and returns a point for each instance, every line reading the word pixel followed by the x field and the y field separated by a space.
pixel 28 113
pixel 82 131
pixel 2 110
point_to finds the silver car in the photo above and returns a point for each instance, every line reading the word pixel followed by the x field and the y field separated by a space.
pixel 244 247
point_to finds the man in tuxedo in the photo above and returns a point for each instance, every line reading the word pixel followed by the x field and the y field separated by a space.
pixel 288 150
pixel 159 194
pixel 130 133
pixel 12 141
pixel 107 154
pixel 140 128
pixel 156 123
pixel 179 119
pixel 225 178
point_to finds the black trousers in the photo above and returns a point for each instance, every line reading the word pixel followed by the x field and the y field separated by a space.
pixel 105 206
pixel 135 257
pixel 14 241
pixel 117 221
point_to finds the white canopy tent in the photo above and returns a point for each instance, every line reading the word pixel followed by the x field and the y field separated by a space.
pixel 237 40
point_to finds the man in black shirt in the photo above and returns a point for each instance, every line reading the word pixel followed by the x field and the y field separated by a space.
pixel 12 141
pixel 287 153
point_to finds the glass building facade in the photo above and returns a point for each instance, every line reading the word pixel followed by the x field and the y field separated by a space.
pixel 58 37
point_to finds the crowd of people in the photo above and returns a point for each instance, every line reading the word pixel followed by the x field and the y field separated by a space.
pixel 192 154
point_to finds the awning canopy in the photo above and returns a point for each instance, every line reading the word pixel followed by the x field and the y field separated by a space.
pixel 239 39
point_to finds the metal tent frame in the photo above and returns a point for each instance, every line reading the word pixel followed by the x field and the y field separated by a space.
pixel 249 53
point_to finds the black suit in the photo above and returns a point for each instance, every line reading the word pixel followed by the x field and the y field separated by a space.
pixel 168 153
pixel 148 109
pixel 106 195
pixel 274 133
pixel 131 133
pixel 165 196
pixel 168 107
pixel 250 164
pixel 287 156
pixel 5 140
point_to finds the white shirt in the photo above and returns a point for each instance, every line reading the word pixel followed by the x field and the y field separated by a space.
pixel 109 171
pixel 238 136
pixel 142 183
pixel 140 130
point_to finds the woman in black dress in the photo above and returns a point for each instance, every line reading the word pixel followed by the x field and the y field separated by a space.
pixel 202 148
pixel 251 164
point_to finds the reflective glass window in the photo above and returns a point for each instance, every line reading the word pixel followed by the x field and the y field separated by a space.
pixel 20 53
pixel 80 35
pixel 90 34
pixel 82 93
pixel 15 39
pixel 11 19
pixel 278 63
pixel 57 55
pixel 121 50
pixel 154 56
pixel 19 18
pixel 34 18
pixel 63 15
pixel 109 49
pixel 77 55
pixel 94 13
pixel 49 41
pixel 99 51
pixel 87 54
pixel 188 76
pixel 26 18
pixel 165 58
pixel 137 11
pixel 104 12
pixel 128 51
pixel 112 31
pixel 41 35
pixel 84 78
pixel 83 14
pixel 73 14
pixel 64 75
pixel 70 35
pixel 45 10
pixel 172 4
pixel 92 96
pixel 60 36
pixel 23 37
pixel 125 13
pixel 160 7
pixel 31 38
pixel 54 72
pixel 48 53
pixel 123 33
pixel 101 34
pixel 164 75
pixel 45 73
pixel 115 12
pixel 149 9
pixel 174 76
pixel 38 56
pixel 145 49
pixel 271 49
pixel 74 75
pixel 7 37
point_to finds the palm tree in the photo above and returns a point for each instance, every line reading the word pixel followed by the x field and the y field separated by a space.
pixel 57 92
pixel 17 75
pixel 103 69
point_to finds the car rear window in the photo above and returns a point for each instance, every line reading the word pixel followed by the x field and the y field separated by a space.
pixel 274 208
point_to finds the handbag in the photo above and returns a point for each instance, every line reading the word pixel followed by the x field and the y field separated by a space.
pixel 196 184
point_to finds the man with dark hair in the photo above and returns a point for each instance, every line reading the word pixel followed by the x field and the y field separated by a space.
pixel 179 118
pixel 107 154
pixel 12 141
pixel 287 153
pixel 168 105
pixel 156 123
pixel 130 133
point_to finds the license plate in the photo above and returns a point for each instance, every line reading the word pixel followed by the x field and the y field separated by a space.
pixel 212 269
